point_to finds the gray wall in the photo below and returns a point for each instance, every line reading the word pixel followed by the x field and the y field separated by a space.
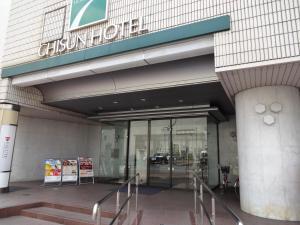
pixel 228 147
pixel 39 139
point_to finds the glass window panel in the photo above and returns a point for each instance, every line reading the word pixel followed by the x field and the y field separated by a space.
pixel 113 151
pixel 159 158
pixel 189 136
pixel 138 150
pixel 213 154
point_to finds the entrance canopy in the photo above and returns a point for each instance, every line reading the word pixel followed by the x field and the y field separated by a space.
pixel 180 83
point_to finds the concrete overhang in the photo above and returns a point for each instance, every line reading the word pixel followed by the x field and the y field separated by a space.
pixel 162 53
pixel 184 72
pixel 184 82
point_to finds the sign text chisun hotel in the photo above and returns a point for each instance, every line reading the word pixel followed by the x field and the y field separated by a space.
pixel 161 88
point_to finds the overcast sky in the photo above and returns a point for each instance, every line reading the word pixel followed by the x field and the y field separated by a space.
pixel 4 12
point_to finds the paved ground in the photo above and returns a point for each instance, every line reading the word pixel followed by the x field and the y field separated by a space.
pixel 167 207
pixel 20 220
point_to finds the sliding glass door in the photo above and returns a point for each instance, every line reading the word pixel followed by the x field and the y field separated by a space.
pixel 189 137
pixel 165 153
pixel 138 150
pixel 160 153
pixel 114 137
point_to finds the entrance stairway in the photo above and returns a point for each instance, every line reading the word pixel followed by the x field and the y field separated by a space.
pixel 44 213
pixel 66 215
pixel 126 212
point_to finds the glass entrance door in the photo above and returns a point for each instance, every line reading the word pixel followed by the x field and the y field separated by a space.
pixel 114 136
pixel 189 137
pixel 160 153
pixel 165 153
pixel 138 150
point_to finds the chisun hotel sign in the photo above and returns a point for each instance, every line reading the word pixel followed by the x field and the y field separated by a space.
pixel 87 12
pixel 84 13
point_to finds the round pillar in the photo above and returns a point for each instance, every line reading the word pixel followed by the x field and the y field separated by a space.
pixel 8 126
pixel 268 135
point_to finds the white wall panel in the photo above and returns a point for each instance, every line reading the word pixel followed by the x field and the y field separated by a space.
pixel 39 139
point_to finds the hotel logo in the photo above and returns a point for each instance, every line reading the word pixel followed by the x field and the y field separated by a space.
pixel 87 12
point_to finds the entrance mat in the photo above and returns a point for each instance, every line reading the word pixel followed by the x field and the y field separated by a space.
pixel 144 190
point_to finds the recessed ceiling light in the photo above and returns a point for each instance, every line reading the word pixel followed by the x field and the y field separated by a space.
pixel 143 99
pixel 180 100
pixel 116 102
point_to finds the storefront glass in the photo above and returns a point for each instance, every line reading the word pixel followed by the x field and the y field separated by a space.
pixel 114 137
pixel 138 150
pixel 189 138
pixel 160 153
pixel 165 153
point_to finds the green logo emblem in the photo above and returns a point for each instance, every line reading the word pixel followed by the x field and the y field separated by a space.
pixel 87 12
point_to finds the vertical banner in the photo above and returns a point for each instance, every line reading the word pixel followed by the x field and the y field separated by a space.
pixel 7 137
pixel 52 171
pixel 7 140
pixel 70 171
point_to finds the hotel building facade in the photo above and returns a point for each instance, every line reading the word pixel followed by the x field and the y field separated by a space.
pixel 164 88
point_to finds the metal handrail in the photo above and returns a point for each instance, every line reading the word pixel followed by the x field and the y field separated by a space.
pixel 96 214
pixel 214 198
pixel 121 209
pixel 205 211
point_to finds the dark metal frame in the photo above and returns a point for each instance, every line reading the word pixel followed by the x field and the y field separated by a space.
pixel 127 151
pixel 171 154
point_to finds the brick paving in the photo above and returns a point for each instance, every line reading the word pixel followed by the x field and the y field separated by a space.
pixel 167 207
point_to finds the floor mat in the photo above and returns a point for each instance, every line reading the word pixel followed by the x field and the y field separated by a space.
pixel 144 190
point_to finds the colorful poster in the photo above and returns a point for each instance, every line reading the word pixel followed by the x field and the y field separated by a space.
pixel 70 171
pixel 86 167
pixel 52 171
pixel 7 140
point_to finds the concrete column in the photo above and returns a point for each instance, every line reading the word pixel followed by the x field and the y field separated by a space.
pixel 268 135
pixel 8 126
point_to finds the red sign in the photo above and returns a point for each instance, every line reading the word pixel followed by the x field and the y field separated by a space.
pixel 86 167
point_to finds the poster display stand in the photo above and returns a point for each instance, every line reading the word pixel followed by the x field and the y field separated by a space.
pixel 53 172
pixel 86 170
pixel 70 171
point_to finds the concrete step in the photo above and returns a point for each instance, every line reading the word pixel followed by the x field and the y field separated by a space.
pixel 21 220
pixel 62 216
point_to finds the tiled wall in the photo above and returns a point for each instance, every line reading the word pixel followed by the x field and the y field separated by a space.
pixel 261 29
pixel 29 97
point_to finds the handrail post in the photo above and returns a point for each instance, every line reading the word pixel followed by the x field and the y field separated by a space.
pixel 128 203
pixel 195 199
pixel 213 211
pixel 98 215
pixel 201 207
pixel 118 202
pixel 136 192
